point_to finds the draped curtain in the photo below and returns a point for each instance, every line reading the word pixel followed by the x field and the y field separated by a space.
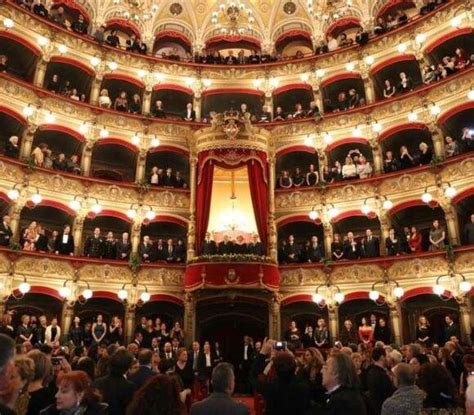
pixel 256 162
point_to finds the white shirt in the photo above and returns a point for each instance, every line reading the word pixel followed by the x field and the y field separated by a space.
pixel 154 178
pixel 245 352
pixel 208 360
pixel 65 239
pixel 104 101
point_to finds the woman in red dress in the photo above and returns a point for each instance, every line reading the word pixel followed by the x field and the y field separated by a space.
pixel 415 241
pixel 366 332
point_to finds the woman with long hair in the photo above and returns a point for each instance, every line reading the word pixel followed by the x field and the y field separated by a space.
pixel 437 236
pixel 366 332
pixel 423 332
pixel 415 240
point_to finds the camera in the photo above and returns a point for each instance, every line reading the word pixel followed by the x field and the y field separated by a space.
pixel 279 346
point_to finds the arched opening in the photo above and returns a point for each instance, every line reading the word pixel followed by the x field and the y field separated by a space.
pixel 224 44
pixel 356 309
pixel 464 204
pixel 74 79
pixel 459 125
pixel 419 215
pixel 122 28
pixel 107 222
pixel 340 152
pixel 174 101
pixel 409 136
pixel 225 100
pixel 304 314
pixel 390 71
pixel 114 161
pixel 391 8
pixel 168 312
pixel 344 29
pixel 228 319
pixel 21 56
pixel 72 11
pixel 162 230
pixel 343 93
pixel 35 304
pixel 59 141
pixel 302 231
pixel 169 159
pixel 298 165
pixel 294 43
pixel 289 97
pixel 12 125
pixel 104 303
pixel 358 224
pixel 447 45
pixel 434 309
pixel 171 44
pixel 50 218
pixel 116 85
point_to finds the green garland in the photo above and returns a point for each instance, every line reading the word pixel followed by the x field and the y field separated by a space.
pixel 232 258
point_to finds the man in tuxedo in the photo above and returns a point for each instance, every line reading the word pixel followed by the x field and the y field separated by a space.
pixel 138 338
pixel 315 251
pixel 351 247
pixel 220 401
pixel 94 246
pixel 144 371
pixel 160 250
pixel 64 244
pixel 292 252
pixel 145 250
pixel 170 251
pixel 226 247
pixel 450 329
pixel 5 231
pixel 167 353
pixel 208 246
pixel 194 357
pixel 370 245
pixel 342 386
pixel 373 322
pixel 246 359
pixel 255 247
pixel 168 179
pixel 189 114
pixel 124 247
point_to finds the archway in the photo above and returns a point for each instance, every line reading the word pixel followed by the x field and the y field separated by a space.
pixel 59 140
pixel 22 56
pixel 350 147
pixel 116 83
pixel 114 160
pixel 231 99
pixel 105 303
pixel 293 42
pixel 174 100
pixel 12 124
pixel 168 312
pixel 172 43
pixel 288 96
pixel 304 313
pixel 35 303
pixel 464 203
pixel 457 122
pixel 107 221
pixel 291 159
pixel 447 44
pixel 173 159
pixel 71 75
pixel 333 89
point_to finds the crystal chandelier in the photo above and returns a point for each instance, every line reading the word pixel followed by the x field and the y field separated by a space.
pixel 137 10
pixel 233 18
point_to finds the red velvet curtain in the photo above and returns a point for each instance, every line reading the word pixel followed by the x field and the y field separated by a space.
pixel 203 200
pixel 259 193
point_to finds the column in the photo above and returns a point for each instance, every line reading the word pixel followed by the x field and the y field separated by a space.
pixel 317 98
pixel 369 90
pixel 67 315
pixel 333 315
pixel 450 215
pixel 385 226
pixel 3 307
pixel 328 237
pixel 40 72
pixel 146 106
pixel 135 236
pixel 274 317
pixel 86 159
pixel 377 154
pixel 129 326
pixel 141 166
pixel 465 321
pixel 26 144
pixel 438 141
pixel 269 102
pixel 77 229
pixel 396 322
pixel 15 221
pixel 197 106
pixel 322 158
pixel 272 234
pixel 95 90
pixel 189 318
pixel 192 207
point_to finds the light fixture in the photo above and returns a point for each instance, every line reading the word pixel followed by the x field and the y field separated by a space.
pixel 28 111
pixel 450 191
pixel 376 127
pixel 8 23
pixel 390 290
pixel 470 94
pixel 420 38
pixel 257 83
pixel 309 140
pixel 135 139
pixel 150 214
pixel 141 73
pixel 155 141
pixel 132 212
pixel 96 207
pixel 369 59
pixel 134 294
pixel 84 128
pixel 402 47
pixel 435 109
pixel 350 66
pixel 75 204
pixel 233 18
pixel 207 82
pixel 50 117
pixel 387 204
pixel 366 209
pixel 43 40
pixel 304 77
pixel 320 73
pixel 426 197
pixel 274 82
pixel 24 287
pixel 112 65
pixel 159 77
pixel 456 21
pixel 189 81
pixel 104 133
pixel 328 295
pixel 412 117
pixel 453 285
pixel 327 138
pixel 313 214
pixel 62 49
pixel 95 61
pixel 75 290
pixel 36 198
pixel 332 212
pixel 13 193
pixel 357 132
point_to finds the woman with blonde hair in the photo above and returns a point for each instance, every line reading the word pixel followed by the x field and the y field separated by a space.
pixel 423 332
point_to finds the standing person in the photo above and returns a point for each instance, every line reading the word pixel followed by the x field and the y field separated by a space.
pixel 40 395
pixel 321 334
pixel 94 245
pixel 6 231
pixel 382 332
pixel 99 330
pixel 76 333
pixel 348 334
pixel 24 331
pixel 116 331
pixel 246 363
pixel 144 371
pixel 53 332
pixel 366 332
pixel 64 244
pixel 437 236
pixel 124 247
pixel 183 368
pixel 423 332
pixel 450 329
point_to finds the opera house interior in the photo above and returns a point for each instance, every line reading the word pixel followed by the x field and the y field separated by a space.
pixel 283 185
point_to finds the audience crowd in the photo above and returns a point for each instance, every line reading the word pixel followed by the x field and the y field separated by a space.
pixel 90 370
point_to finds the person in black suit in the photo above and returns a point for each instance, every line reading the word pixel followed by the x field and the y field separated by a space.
pixel 393 243
pixel 285 394
pixel 194 357
pixel 41 242
pixel 255 247
pixel 170 251
pixel 124 247
pixel 168 179
pixel 220 401
pixel 245 364
pixel 189 114
pixel 160 251
pixel 146 250
pixel 314 252
pixel 144 372
pixel 158 111
pixel 117 391
pixel 351 247
pixel 382 332
pixel 226 247
pixel 64 244
pixel 292 251
pixel 94 246
pixel 5 231
pixel 342 385
pixel 370 245
pixel 450 329
pixel 205 362
pixel 378 382
pixel 167 353
pixel 230 59
pixel 208 246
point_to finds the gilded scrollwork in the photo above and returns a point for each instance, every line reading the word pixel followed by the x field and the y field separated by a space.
pixel 44 267
pixel 109 273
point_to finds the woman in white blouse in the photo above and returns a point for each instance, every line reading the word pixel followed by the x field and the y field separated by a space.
pixel 364 169
pixel 349 170
pixel 104 99
pixel 154 177
pixel 52 333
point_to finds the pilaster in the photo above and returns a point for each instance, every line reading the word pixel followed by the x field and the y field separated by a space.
pixel 40 72
pixel 129 326
pixel 465 321
pixel 141 166
pixel 333 316
pixel 189 318
pixel 396 323
pixel 77 230
pixel 67 314
pixel 274 317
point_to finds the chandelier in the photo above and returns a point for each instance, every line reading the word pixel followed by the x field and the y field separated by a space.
pixel 233 18
pixel 335 9
pixel 389 290
pixel 137 10
pixel 134 294
pixel 452 285
pixel 328 295
pixel 7 290
pixel 74 291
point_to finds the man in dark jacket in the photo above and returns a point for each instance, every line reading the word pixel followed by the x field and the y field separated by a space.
pixel 94 246
pixel 370 245
pixel 284 395
pixel 351 247
pixel 255 247
pixel 5 231
pixel 226 247
pixel 146 250
pixel 124 247
pixel 379 385
pixel 220 401
pixel 208 246
pixel 144 372
pixel 342 386
pixel 314 252
pixel 117 391
pixel 64 244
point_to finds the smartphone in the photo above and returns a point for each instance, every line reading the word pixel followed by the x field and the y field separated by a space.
pixel 280 346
